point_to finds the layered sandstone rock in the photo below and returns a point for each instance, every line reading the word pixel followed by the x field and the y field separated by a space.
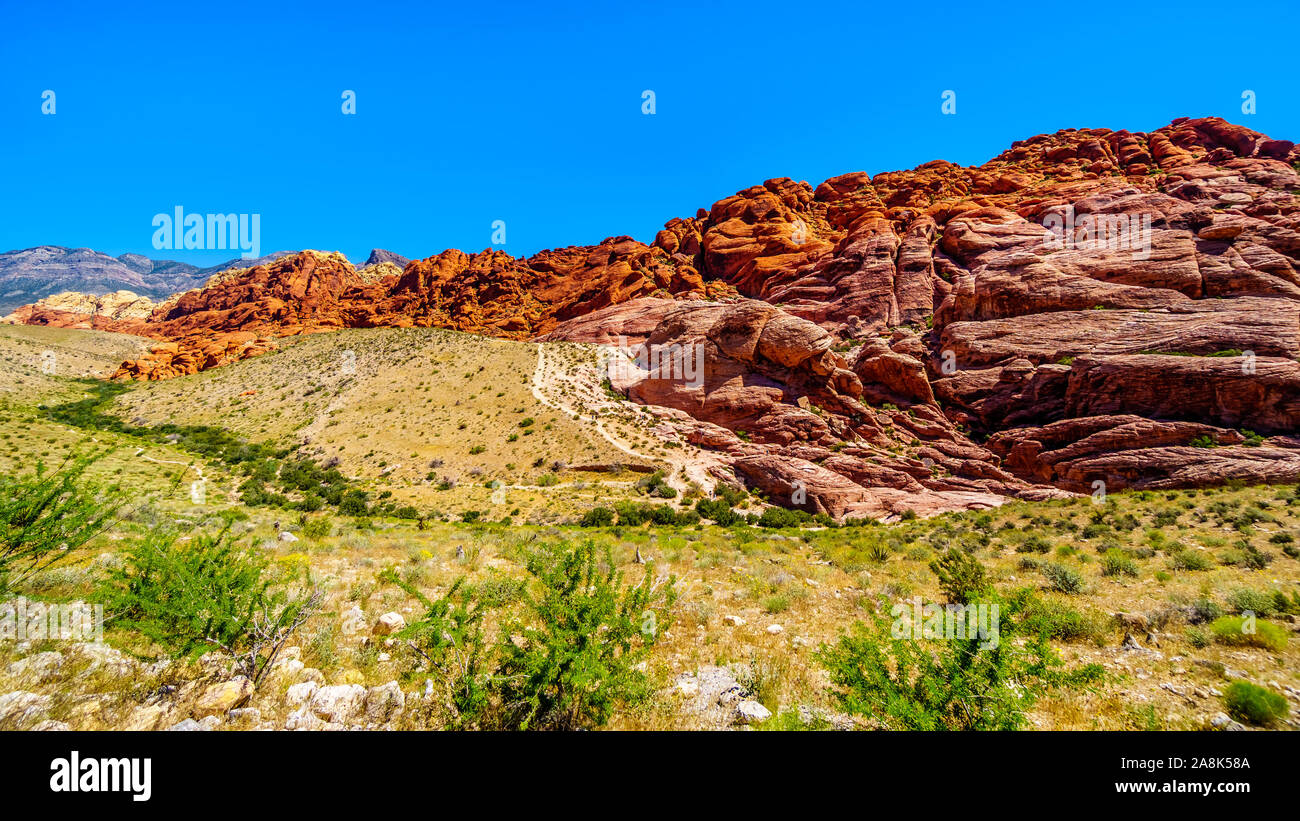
pixel 1133 452
pixel 72 309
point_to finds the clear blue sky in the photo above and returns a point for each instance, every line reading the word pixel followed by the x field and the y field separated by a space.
pixel 531 113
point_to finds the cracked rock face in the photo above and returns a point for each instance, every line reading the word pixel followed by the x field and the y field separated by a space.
pixel 1090 305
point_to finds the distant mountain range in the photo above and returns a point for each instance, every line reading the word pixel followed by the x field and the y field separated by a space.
pixel 33 274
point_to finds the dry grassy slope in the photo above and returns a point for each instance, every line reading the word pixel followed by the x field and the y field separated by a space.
pixel 153 473
pixel 76 353
pixel 406 408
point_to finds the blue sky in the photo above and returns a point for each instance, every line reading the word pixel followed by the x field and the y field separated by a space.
pixel 531 113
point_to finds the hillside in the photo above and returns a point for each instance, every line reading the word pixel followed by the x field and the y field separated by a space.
pixel 443 420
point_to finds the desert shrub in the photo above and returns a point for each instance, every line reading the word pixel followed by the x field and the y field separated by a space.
pixel 961 576
pixel 776 604
pixel 1255 559
pixel 597 517
pixel 1188 559
pixel 1259 602
pixel 496 589
pixel 1254 704
pixel 573 655
pixel 1056 620
pixel 354 503
pixel 655 485
pixel 1247 631
pixel 686 518
pixel 1197 637
pixel 631 514
pixel 663 515
pixel 1095 530
pixel 766 677
pixel 1165 518
pixel 956 684
pixel 1062 579
pixel 448 640
pixel 208 594
pixel 1034 544
pixel 317 529
pixel 1117 563
pixel 46 514
pixel 719 510
pixel 1282 604
pixel 775 517
pixel 1203 611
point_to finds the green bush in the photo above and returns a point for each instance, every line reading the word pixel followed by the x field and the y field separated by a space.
pixel 958 684
pixel 655 485
pixel 207 594
pixel 732 496
pixel 1254 705
pixel 597 517
pixel 1203 610
pixel 1056 620
pixel 317 529
pixel 573 655
pixel 448 639
pixel 1061 578
pixel 1117 563
pixel 1034 544
pixel 1259 602
pixel 45 515
pixel 719 510
pixel 961 576
pixel 1239 631
pixel 775 517
pixel 354 503
pixel 1188 559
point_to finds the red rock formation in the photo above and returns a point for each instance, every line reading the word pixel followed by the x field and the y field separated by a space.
pixel 1133 452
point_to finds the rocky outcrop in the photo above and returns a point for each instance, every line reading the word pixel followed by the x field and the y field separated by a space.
pixel 791 416
pixel 1134 452
pixel 497 294
pixel 171 359
pixel 72 309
